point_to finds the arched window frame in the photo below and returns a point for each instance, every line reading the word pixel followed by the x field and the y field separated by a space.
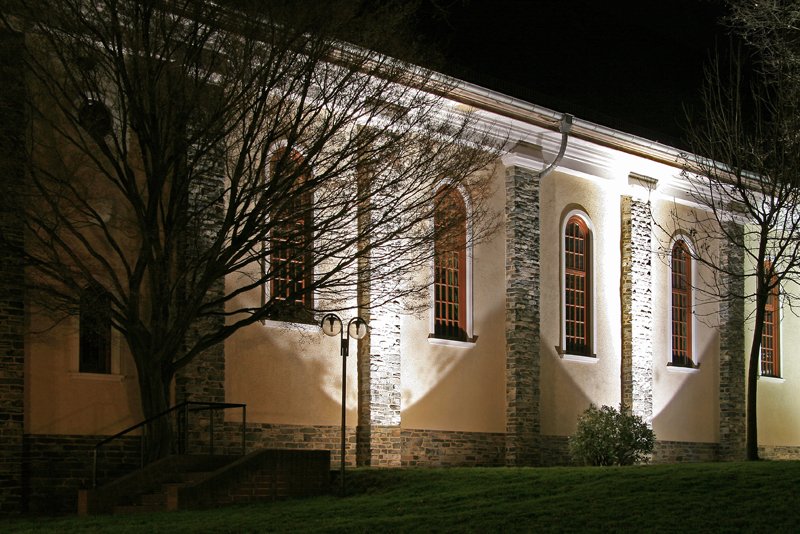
pixel 771 367
pixel 689 361
pixel 468 338
pixel 590 321
pixel 303 314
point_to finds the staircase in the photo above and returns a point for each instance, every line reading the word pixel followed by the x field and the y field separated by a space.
pixel 195 481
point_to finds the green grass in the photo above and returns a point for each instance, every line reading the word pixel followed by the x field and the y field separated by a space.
pixel 720 497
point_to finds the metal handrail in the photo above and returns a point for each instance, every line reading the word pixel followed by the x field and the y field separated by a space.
pixel 185 407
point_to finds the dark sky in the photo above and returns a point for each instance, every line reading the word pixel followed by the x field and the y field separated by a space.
pixel 628 65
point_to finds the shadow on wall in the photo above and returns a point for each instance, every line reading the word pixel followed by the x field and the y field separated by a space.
pixel 562 399
pixel 289 375
pixel 691 412
pixel 455 388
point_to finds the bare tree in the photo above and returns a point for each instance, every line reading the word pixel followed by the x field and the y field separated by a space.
pixel 176 145
pixel 746 175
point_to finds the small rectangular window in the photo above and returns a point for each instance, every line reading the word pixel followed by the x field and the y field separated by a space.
pixel 95 332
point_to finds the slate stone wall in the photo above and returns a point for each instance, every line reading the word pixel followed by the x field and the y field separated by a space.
pixel 732 422
pixel 379 390
pixel 12 297
pixel 436 448
pixel 670 452
pixel 414 447
pixel 637 309
pixel 779 452
pixel 522 316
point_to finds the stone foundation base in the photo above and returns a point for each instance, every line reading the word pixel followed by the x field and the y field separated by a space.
pixel 434 448
pixel 391 446
pixel 779 452
pixel 554 451
pixel 670 452
pixel 56 466
pixel 379 446
pixel 270 436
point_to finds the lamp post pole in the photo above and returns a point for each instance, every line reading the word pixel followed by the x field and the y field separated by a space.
pixel 356 329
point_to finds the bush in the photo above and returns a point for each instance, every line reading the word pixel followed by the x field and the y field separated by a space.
pixel 606 436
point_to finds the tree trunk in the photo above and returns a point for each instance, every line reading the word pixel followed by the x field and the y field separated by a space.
pixel 154 391
pixel 751 442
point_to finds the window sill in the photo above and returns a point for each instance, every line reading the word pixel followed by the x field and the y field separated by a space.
pixel 291 325
pixel 775 379
pixel 468 344
pixel 682 369
pixel 581 358
pixel 98 377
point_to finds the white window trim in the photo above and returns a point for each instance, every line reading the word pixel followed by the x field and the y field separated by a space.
pixel 561 349
pixel 471 337
pixel 780 377
pixel 693 266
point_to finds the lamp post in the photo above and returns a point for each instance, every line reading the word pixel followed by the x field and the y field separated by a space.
pixel 356 329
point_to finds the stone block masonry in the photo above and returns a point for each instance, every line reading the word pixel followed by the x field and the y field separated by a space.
pixel 378 432
pixel 415 447
pixel 439 448
pixel 732 422
pixel 203 379
pixel 637 308
pixel 522 316
pixel 277 436
pixel 779 452
pixel 668 452
pixel 12 297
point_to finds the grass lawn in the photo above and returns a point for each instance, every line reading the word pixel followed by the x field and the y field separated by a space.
pixel 727 497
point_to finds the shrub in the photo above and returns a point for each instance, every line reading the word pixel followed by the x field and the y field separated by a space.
pixel 607 436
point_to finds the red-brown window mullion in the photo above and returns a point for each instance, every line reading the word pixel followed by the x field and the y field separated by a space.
pixel 576 287
pixel 450 267
pixel 681 305
pixel 770 351
pixel 292 255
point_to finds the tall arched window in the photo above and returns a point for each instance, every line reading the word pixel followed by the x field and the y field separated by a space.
pixel 577 248
pixel 291 253
pixel 450 266
pixel 770 335
pixel 681 285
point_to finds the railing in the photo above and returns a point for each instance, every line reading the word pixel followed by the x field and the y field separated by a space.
pixel 181 445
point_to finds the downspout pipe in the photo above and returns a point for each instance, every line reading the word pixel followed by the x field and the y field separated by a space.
pixel 564 128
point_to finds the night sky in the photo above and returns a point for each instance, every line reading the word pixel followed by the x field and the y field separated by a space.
pixel 629 65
